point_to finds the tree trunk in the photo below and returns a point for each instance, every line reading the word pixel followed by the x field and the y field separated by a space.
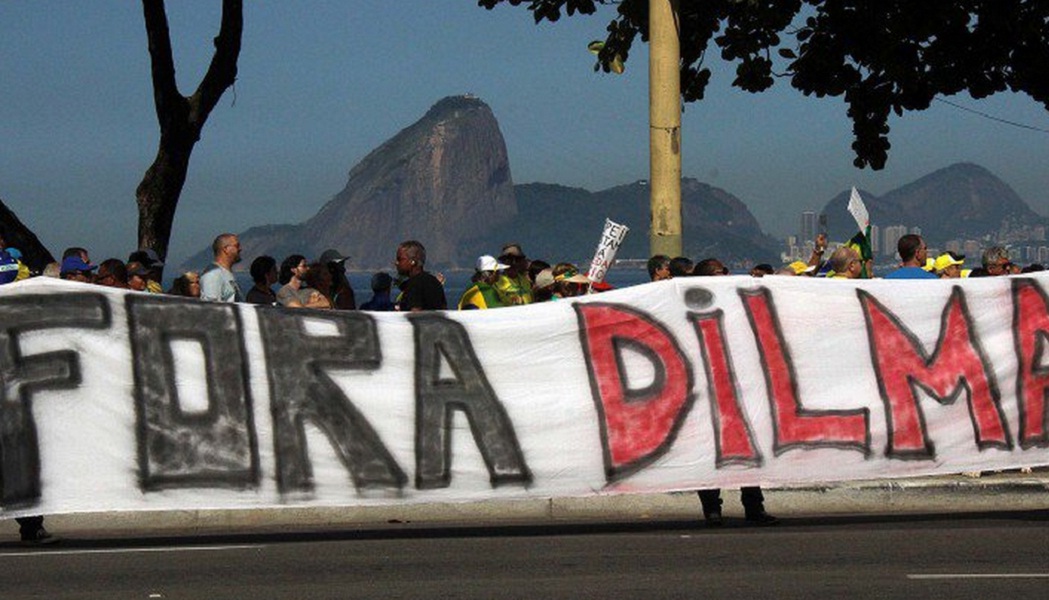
pixel 181 118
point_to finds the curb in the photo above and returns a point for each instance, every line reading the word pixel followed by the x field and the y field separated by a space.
pixel 933 495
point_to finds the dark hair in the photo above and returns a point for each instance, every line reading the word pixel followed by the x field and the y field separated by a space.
pixel 287 265
pixel 318 277
pixel 908 246
pixel 73 251
pixel 260 267
pixel 708 267
pixel 382 282
pixel 656 263
pixel 680 266
pixel 1033 268
pixel 535 267
pixel 764 268
pixel 114 267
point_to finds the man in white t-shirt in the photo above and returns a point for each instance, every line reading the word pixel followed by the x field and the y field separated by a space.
pixel 217 282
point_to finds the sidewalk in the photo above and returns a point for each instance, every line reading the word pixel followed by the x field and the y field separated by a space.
pixel 1012 491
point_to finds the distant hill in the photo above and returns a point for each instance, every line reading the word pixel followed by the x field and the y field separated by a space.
pixel 563 223
pixel 960 201
pixel 445 181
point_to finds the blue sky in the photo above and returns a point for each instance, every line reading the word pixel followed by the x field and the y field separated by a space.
pixel 321 84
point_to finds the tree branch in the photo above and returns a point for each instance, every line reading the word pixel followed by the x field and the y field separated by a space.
pixel 166 96
pixel 222 72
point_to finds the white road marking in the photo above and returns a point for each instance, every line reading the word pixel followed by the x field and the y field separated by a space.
pixel 39 553
pixel 978 576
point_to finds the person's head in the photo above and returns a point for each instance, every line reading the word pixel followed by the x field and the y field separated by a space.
pixel 381 282
pixel 488 269
pixel 514 258
pixel 293 267
pixel 137 276
pixel 709 267
pixel 543 287
pixel 568 281
pixel 75 268
pixel 536 266
pixel 659 267
pixel 186 284
pixel 318 277
pixel 411 258
pixel 336 263
pixel 912 250
pixel 226 249
pixel 680 266
pixel 845 261
pixel 149 259
pixel 1033 268
pixel 77 251
pixel 995 261
pixel 761 270
pixel 112 273
pixel 264 270
pixel 947 266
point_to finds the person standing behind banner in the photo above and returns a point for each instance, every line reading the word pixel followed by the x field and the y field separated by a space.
pixel 264 274
pixel 914 254
pixel 513 285
pixel 481 294
pixel 420 289
pixel 845 263
pixel 751 497
pixel 381 285
pixel 217 282
pixel 659 267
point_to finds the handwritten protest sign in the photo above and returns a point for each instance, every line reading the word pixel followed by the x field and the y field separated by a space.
pixel 117 400
pixel 611 238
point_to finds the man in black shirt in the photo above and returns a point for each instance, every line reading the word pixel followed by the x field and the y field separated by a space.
pixel 421 290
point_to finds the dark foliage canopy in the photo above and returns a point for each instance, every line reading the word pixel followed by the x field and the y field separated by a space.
pixel 882 56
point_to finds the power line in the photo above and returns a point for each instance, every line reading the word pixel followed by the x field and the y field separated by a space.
pixel 992 117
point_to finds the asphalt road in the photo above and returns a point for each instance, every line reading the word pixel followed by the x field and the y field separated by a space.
pixel 982 556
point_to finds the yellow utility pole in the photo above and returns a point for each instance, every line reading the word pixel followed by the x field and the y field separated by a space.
pixel 664 116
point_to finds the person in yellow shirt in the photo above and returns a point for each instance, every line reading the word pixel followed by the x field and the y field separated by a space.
pixel 482 294
pixel 513 286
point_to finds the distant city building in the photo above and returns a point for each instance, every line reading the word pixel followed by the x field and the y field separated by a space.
pixel 891 235
pixel 808 226
pixel 973 250
pixel 915 231
pixel 875 239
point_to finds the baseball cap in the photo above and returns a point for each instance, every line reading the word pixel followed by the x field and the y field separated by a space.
pixel 800 267
pixel 946 260
pixel 489 263
pixel 332 256
pixel 75 263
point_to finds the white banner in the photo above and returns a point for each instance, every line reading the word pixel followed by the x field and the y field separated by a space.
pixel 127 401
pixel 611 238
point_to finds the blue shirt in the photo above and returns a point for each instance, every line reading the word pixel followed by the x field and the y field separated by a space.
pixel 911 273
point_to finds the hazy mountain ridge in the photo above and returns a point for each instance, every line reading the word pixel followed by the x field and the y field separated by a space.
pixel 962 200
pixel 445 180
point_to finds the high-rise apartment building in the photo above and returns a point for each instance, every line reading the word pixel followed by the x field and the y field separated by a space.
pixel 892 234
pixel 808 226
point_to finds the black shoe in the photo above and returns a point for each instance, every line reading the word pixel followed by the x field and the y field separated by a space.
pixel 40 537
pixel 761 518
pixel 713 519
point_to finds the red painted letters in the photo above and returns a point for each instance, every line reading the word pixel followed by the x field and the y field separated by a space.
pixel 956 366
pixel 637 425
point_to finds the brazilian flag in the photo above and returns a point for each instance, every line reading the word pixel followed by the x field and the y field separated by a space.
pixel 861 243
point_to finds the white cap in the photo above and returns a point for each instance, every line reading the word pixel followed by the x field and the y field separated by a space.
pixel 488 263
